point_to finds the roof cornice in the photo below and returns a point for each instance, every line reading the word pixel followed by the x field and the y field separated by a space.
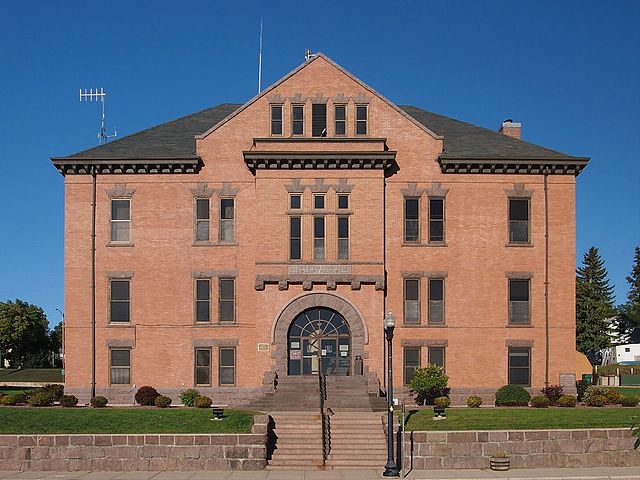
pixel 318 160
pixel 513 165
pixel 79 166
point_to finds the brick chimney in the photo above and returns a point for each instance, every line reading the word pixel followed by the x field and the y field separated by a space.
pixel 510 128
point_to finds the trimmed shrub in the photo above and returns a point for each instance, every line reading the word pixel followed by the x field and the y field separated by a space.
pixel 613 397
pixel 12 399
pixel 146 395
pixel 596 401
pixel 188 397
pixel 162 401
pixel 55 389
pixel 99 402
pixel 512 396
pixel 202 402
pixel 68 401
pixel 442 402
pixel 41 398
pixel 540 401
pixel 594 390
pixel 553 393
pixel 566 401
pixel 474 401
pixel 629 400
pixel 581 387
pixel 428 383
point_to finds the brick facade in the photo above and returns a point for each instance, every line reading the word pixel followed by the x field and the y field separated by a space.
pixel 163 258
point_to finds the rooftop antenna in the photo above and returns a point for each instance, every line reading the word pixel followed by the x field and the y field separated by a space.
pixel 260 61
pixel 308 55
pixel 88 95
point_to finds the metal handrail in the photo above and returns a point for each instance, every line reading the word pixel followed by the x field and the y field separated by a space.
pixel 322 380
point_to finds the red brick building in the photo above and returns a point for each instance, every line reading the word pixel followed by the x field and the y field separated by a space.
pixel 246 242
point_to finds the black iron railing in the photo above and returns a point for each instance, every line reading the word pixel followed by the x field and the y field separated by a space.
pixel 326 444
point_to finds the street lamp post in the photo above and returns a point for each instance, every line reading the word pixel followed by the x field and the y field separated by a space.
pixel 390 469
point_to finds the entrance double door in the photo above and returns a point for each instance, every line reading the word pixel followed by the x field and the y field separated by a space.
pixel 325 353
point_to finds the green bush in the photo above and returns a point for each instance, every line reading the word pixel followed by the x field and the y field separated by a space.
pixel 202 402
pixel 41 398
pixel 99 402
pixel 594 390
pixel 68 401
pixel 566 401
pixel 162 401
pixel 629 400
pixel 581 387
pixel 512 396
pixel 613 397
pixel 596 401
pixel 553 393
pixel 146 395
pixel 442 402
pixel 474 401
pixel 540 401
pixel 428 383
pixel 56 390
pixel 12 399
pixel 188 397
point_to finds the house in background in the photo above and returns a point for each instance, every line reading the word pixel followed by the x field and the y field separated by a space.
pixel 248 246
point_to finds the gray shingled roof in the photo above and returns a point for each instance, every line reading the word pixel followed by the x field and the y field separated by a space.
pixel 175 139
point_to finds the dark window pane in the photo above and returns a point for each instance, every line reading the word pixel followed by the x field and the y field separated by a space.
pixel 436 231
pixel 202 311
pixel 318 119
pixel 276 127
pixel 519 376
pixel 203 358
pixel 436 208
pixel 298 120
pixel 276 112
pixel 519 357
pixel 295 202
pixel 119 311
pixel 436 356
pixel 341 112
pixel 226 312
pixel 411 362
pixel 343 227
pixel 202 207
pixel 202 230
pixel 518 209
pixel 519 290
pixel 295 227
pixel 202 289
pixel 119 290
pixel 227 376
pixel 411 288
pixel 226 288
pixel 436 289
pixel 120 358
pixel 226 208
pixel 120 376
pixel 227 357
pixel 298 112
pixel 296 253
pixel 343 201
pixel 518 231
pixel 318 201
pixel 120 231
pixel 411 208
pixel 436 311
pixel 203 375
pixel 318 227
pixel 361 112
pixel 519 312
pixel 120 210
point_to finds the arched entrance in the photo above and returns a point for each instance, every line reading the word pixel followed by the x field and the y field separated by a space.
pixel 319 339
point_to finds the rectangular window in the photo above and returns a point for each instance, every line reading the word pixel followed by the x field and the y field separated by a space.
pixel 297 120
pixel 121 220
pixel 120 366
pixel 318 202
pixel 341 119
pixel 518 220
pixel 361 119
pixel 227 214
pixel 411 219
pixel 203 300
pixel 295 238
pixel 520 366
pixel 318 238
pixel 276 119
pixel 295 202
pixel 519 302
pixel 412 300
pixel 226 300
pixel 319 120
pixel 227 366
pixel 343 238
pixel 436 356
pixel 343 202
pixel 120 300
pixel 436 219
pixel 436 301
pixel 411 362
pixel 203 366
pixel 202 219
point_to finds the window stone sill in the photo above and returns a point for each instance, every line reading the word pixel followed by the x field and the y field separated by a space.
pixel 214 244
pixel 432 244
pixel 214 325
pixel 120 324
pixel 515 325
pixel 528 244
pixel 422 325
pixel 120 244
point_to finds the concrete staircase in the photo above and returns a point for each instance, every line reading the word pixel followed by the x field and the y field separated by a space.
pixel 298 441
pixel 358 440
pixel 350 394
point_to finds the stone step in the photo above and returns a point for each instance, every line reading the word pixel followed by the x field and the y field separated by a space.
pixel 346 463
pixel 299 462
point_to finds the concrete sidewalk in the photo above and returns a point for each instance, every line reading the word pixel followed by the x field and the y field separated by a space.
pixel 599 473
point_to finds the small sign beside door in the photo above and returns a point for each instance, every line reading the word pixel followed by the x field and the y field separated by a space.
pixel 295 355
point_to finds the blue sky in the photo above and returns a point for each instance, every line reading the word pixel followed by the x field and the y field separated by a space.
pixel 569 71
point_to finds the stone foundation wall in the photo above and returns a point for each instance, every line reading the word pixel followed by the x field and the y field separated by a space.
pixel 526 449
pixel 137 452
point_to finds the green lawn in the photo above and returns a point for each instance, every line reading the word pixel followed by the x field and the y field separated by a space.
pixel 24 420
pixel 627 390
pixel 523 418
pixel 49 375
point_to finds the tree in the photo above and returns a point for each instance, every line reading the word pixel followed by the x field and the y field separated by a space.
pixel 629 312
pixel 24 334
pixel 594 304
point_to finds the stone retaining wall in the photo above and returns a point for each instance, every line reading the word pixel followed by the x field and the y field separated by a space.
pixel 137 452
pixel 526 448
